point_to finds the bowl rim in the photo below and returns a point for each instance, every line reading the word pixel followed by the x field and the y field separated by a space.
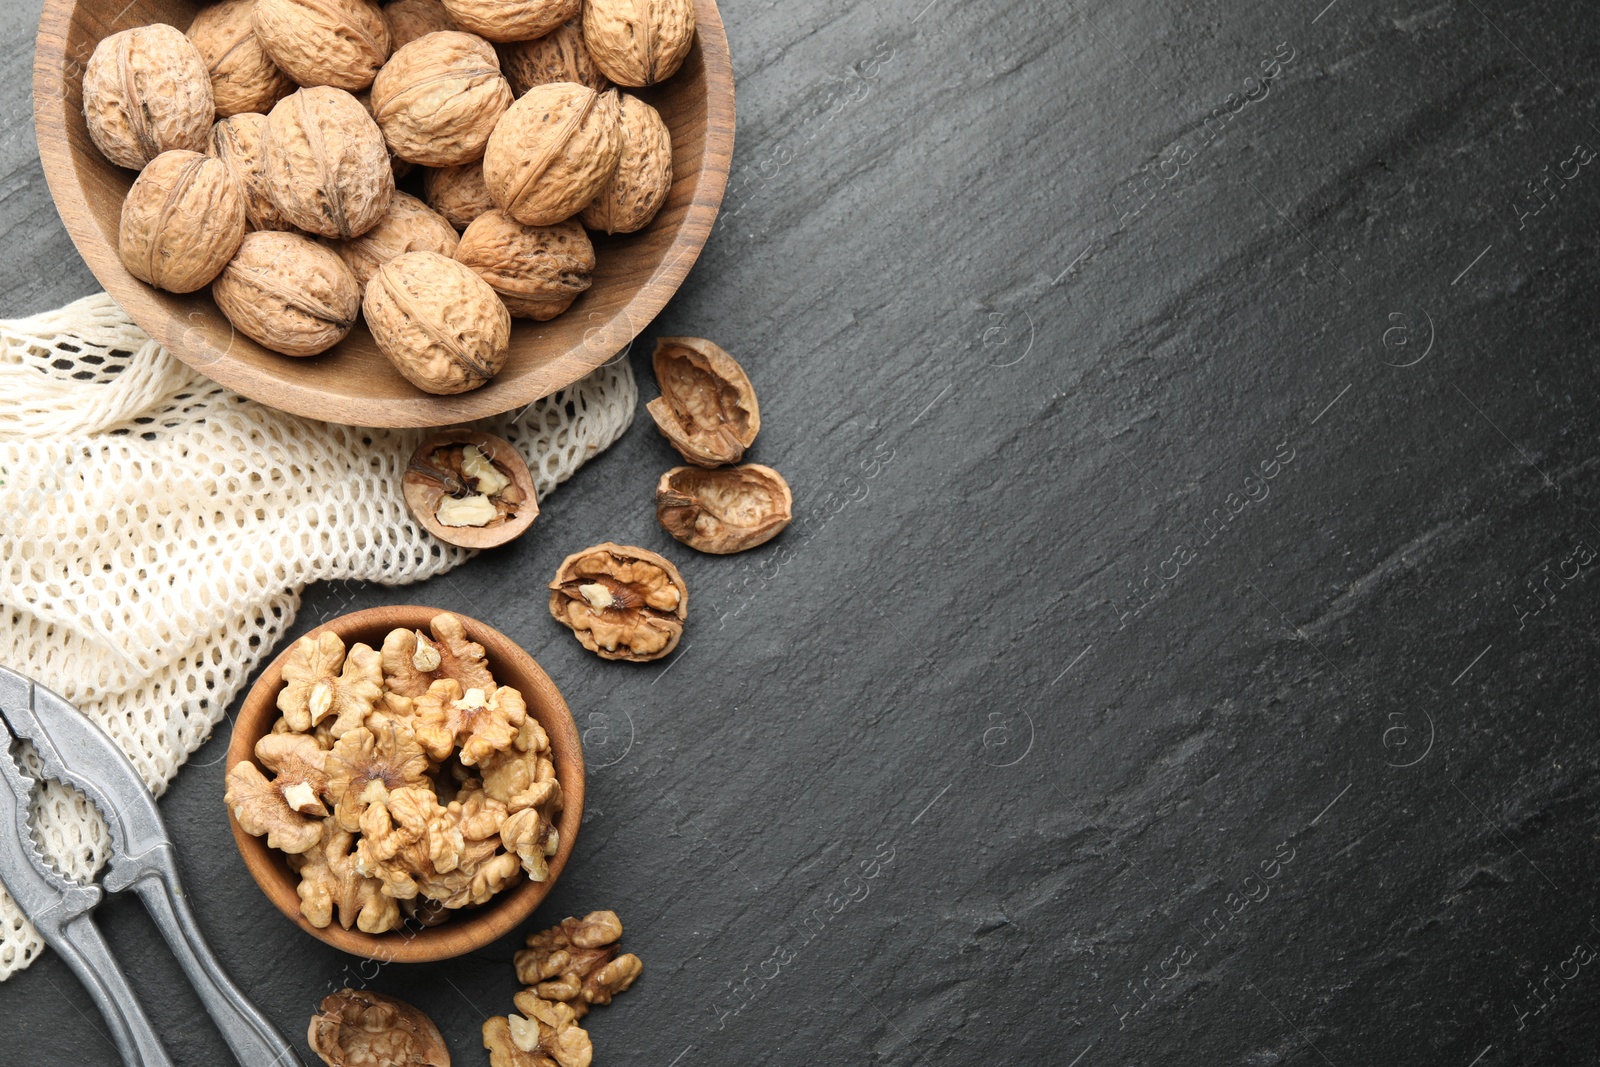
pixel 483 925
pixel 602 341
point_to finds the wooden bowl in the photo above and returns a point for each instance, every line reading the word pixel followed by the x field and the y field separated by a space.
pixel 635 275
pixel 469 928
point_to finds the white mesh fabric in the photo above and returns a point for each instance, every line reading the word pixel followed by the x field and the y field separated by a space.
pixel 156 531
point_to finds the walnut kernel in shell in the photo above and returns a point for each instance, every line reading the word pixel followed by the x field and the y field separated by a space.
pixel 408 226
pixel 558 56
pixel 288 293
pixel 182 221
pixel 327 164
pixel 725 510
pixel 439 98
pixel 638 42
pixel 457 193
pixel 621 602
pixel 146 91
pixel 707 408
pixel 243 77
pixel 409 19
pixel 365 1029
pixel 440 324
pixel 511 20
pixel 643 178
pixel 341 43
pixel 552 152
pixel 537 270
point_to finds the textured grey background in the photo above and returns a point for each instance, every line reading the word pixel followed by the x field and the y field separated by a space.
pixel 1055 730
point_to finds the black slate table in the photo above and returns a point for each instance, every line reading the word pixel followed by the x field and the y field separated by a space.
pixel 1179 654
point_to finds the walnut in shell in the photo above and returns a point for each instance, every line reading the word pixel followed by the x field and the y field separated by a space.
pixel 341 43
pixel 707 408
pixel 146 91
pixel 643 178
pixel 410 19
pixel 367 1029
pixel 552 152
pixel 638 42
pixel 439 98
pixel 440 324
pixel 330 886
pixel 243 77
pixel 558 56
pixel 537 270
pixel 725 510
pixel 408 226
pixel 511 20
pixel 327 164
pixel 182 221
pixel 458 193
pixel 288 293
pixel 240 142
pixel 621 602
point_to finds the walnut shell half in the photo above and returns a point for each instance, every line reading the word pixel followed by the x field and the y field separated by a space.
pixel 341 43
pixel 363 1028
pixel 621 602
pixel 288 293
pixel 243 77
pixel 638 42
pixel 643 178
pixel 146 91
pixel 537 270
pixel 181 223
pixel 440 324
pixel 552 152
pixel 707 407
pixel 326 163
pixel 558 56
pixel 439 98
pixel 725 510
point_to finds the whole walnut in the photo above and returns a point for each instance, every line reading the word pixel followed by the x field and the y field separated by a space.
pixel 638 42
pixel 537 270
pixel 288 293
pixel 243 78
pixel 553 151
pixel 409 226
pixel 643 178
pixel 240 142
pixel 182 221
pixel 438 99
pixel 324 42
pixel 458 193
pixel 558 56
pixel 440 324
pixel 327 165
pixel 145 92
pixel 511 20
pixel 410 19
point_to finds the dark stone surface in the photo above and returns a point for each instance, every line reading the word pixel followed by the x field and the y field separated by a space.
pixel 1152 672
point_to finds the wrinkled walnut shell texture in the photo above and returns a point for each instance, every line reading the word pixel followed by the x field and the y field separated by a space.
pixel 621 602
pixel 458 193
pixel 639 186
pixel 707 408
pixel 558 56
pixel 240 142
pixel 288 293
pixel 725 510
pixel 327 164
pixel 511 20
pixel 409 226
pixel 146 91
pixel 409 19
pixel 552 152
pixel 638 42
pixel 182 221
pixel 243 77
pixel 439 98
pixel 440 324
pixel 366 1029
pixel 341 43
pixel 537 270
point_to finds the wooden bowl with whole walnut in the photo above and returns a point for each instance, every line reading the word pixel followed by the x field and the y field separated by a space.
pixel 635 274
pixel 468 928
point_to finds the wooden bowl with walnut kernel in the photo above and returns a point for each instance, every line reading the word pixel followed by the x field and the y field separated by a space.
pixel 467 928
pixel 634 276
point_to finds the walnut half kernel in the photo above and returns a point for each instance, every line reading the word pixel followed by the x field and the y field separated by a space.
pixel 364 1029
pixel 621 602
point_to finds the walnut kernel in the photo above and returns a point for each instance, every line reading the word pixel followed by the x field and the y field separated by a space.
pixel 621 602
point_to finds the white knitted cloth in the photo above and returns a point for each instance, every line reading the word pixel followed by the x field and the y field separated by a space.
pixel 156 531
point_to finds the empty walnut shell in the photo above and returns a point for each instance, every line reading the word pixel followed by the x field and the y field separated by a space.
pixel 327 164
pixel 240 141
pixel 362 1029
pixel 621 602
pixel 243 77
pixel 725 510
pixel 558 56
pixel 439 98
pixel 458 193
pixel 643 178
pixel 288 293
pixel 552 152
pixel 181 223
pixel 436 475
pixel 409 226
pixel 511 20
pixel 146 91
pixel 638 42
pixel 707 407
pixel 440 324
pixel 341 43
pixel 537 270
pixel 410 19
